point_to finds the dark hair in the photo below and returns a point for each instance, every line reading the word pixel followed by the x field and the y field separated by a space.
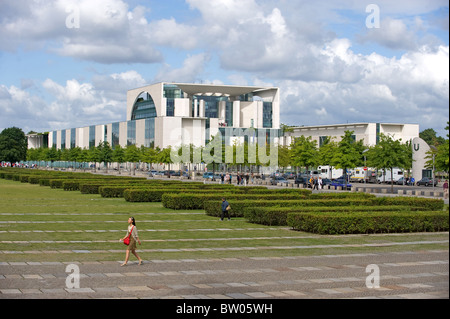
pixel 133 221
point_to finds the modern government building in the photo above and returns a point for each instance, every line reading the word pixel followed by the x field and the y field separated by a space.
pixel 172 114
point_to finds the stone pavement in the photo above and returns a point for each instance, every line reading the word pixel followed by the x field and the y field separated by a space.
pixel 403 275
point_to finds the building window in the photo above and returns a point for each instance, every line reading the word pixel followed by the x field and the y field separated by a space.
pixel 73 138
pixel 115 134
pixel 131 132
pixel 267 114
pixel 55 134
pixel 144 107
pixel 150 133
pixel 63 139
pixel 91 136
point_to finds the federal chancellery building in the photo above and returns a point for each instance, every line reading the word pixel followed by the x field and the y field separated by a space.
pixel 174 114
pixel 171 114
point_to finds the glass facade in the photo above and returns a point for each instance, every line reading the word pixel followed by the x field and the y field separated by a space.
pixel 63 139
pixel 55 134
pixel 92 136
pixel 73 137
pixel 150 133
pixel 131 132
pixel 267 114
pixel 115 135
pixel 171 92
pixel 144 107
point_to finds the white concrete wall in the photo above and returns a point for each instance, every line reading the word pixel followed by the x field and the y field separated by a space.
pixel 182 108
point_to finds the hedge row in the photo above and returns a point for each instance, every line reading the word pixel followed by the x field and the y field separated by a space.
pixel 118 191
pixel 213 208
pixel 197 201
pixel 155 195
pixel 277 216
pixel 369 222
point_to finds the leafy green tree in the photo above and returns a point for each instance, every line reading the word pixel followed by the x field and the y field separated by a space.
pixel 348 153
pixel 132 155
pixel 284 156
pixel 430 137
pixel 441 155
pixel 390 153
pixel 13 145
pixel 327 151
pixel 304 152
pixel 164 156
pixel 118 156
pixel 105 153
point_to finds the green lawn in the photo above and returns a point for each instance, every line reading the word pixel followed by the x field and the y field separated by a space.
pixel 32 215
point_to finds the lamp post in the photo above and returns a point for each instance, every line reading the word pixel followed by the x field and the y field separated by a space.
pixel 432 171
pixel 365 167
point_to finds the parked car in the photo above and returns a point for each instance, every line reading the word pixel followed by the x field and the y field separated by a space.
pixel 426 182
pixel 211 175
pixel 402 181
pixel 326 181
pixel 159 173
pixel 302 180
pixel 340 182
pixel 289 175
pixel 278 179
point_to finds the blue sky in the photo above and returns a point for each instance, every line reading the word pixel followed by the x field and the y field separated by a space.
pixel 329 66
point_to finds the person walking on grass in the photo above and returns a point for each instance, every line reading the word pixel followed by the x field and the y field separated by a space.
pixel 133 235
pixel 225 209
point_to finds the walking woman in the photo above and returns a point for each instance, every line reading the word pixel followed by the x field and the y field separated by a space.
pixel 133 234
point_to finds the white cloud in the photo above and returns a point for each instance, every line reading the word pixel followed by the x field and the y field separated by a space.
pixel 192 67
pixel 73 104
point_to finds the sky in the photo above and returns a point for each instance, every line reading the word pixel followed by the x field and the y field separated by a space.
pixel 67 63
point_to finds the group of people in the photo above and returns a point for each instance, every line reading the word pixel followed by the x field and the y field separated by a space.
pixel 315 183
pixel 241 179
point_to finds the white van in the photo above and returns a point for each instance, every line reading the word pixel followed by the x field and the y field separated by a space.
pixel 327 171
pixel 385 177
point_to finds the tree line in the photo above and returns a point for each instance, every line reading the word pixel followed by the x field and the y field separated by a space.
pixel 302 153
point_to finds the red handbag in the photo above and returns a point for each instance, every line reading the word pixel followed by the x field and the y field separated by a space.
pixel 126 241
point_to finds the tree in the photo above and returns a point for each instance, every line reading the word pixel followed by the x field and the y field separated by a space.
pixel 304 152
pixel 132 154
pixel 429 136
pixel 284 156
pixel 327 151
pixel 104 153
pixel 390 153
pixel 118 155
pixel 348 153
pixel 13 145
pixel 441 155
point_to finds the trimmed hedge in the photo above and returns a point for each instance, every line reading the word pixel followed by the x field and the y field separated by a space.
pixel 155 195
pixel 238 207
pixel 369 222
pixel 278 215
pixel 197 201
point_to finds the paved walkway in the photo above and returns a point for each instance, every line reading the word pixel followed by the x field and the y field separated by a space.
pixel 404 275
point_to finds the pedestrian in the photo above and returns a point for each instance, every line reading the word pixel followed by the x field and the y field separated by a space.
pixel 445 187
pixel 133 235
pixel 319 181
pixel 222 178
pixel 225 209
pixel 316 183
